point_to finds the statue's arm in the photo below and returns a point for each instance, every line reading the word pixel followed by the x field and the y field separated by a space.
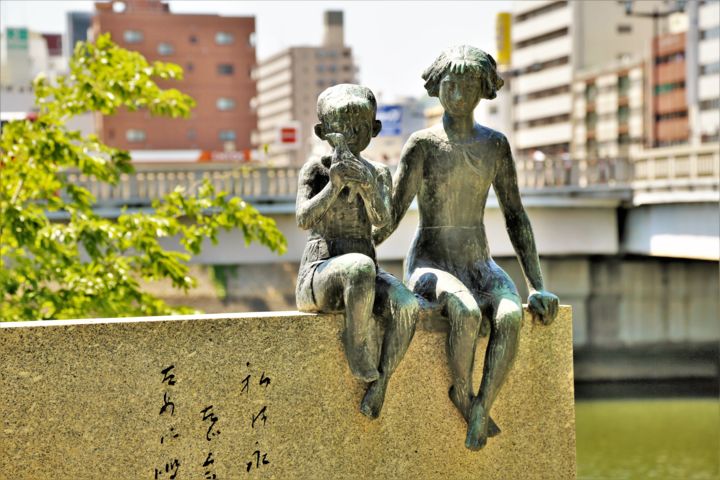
pixel 543 305
pixel 377 198
pixel 516 220
pixel 310 208
pixel 405 185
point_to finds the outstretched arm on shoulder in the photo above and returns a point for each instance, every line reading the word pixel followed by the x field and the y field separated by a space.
pixel 405 185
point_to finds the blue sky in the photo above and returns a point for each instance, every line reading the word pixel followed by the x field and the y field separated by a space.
pixel 393 42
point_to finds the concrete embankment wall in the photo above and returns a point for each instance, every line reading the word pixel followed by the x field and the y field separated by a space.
pixel 269 395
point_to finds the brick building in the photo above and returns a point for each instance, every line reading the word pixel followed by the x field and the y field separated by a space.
pixel 217 55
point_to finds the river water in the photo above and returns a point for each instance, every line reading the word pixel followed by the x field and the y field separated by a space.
pixel 648 439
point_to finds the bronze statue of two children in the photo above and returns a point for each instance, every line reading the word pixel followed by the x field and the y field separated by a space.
pixel 350 204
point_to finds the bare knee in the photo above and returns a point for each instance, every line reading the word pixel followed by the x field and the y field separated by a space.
pixel 465 317
pixel 508 318
pixel 361 270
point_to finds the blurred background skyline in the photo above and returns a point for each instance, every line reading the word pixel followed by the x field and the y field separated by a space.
pixel 392 41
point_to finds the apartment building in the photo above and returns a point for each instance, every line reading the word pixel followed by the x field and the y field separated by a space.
pixel 709 71
pixel 288 84
pixel 217 55
pixel 553 41
pixel 671 125
pixel 609 110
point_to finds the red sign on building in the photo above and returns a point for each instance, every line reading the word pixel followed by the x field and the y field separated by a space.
pixel 288 135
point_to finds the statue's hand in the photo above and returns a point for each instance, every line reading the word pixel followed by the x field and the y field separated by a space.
pixel 543 306
pixel 342 173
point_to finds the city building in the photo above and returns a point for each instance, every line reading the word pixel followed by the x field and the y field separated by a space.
pixel 24 55
pixel 609 110
pixel 78 25
pixel 217 55
pixel 671 125
pixel 554 40
pixel 709 71
pixel 288 84
pixel 399 120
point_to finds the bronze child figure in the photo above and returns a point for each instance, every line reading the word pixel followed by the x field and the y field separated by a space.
pixel 451 167
pixel 340 199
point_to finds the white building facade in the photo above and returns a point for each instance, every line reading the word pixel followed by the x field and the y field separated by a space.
pixel 552 41
pixel 709 70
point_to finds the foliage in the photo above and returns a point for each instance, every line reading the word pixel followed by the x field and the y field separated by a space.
pixel 88 266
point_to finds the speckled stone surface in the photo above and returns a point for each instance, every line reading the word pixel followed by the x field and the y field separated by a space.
pixel 82 400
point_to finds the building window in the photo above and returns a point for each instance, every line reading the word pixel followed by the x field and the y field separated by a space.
pixel 332 68
pixel 165 48
pixel 224 104
pixel 542 38
pixel 227 135
pixel 711 68
pixel 624 28
pixel 668 87
pixel 132 36
pixel 224 38
pixel 193 39
pixel 320 68
pixel 591 92
pixel 320 83
pixel 623 114
pixel 135 135
pixel 539 11
pixel 191 134
pixel 710 33
pixel 190 67
pixel 623 85
pixel 225 69
pixel 711 104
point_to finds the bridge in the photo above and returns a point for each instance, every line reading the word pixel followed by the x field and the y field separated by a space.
pixel 631 244
pixel 661 203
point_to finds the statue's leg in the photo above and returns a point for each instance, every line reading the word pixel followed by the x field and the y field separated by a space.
pixel 506 320
pixel 398 307
pixel 465 317
pixel 349 281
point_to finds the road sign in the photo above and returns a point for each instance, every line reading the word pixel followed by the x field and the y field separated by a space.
pixel 391 118
pixel 288 134
pixel 17 38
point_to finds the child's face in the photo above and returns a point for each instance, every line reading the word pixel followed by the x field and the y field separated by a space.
pixel 356 127
pixel 460 93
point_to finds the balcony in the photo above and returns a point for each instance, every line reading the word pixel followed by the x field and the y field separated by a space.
pixel 671 102
pixel 676 129
pixel 669 73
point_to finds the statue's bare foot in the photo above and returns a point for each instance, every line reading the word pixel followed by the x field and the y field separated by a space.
pixel 463 402
pixel 465 407
pixel 477 432
pixel 493 429
pixel 374 398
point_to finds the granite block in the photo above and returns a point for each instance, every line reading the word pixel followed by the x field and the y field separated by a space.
pixel 83 399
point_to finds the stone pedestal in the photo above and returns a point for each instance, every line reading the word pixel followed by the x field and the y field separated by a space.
pixel 91 399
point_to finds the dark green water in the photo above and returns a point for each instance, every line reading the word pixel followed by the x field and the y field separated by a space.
pixel 648 439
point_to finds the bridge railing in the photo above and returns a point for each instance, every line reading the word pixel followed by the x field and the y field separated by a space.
pixel 553 172
pixel 677 168
pixel 149 182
